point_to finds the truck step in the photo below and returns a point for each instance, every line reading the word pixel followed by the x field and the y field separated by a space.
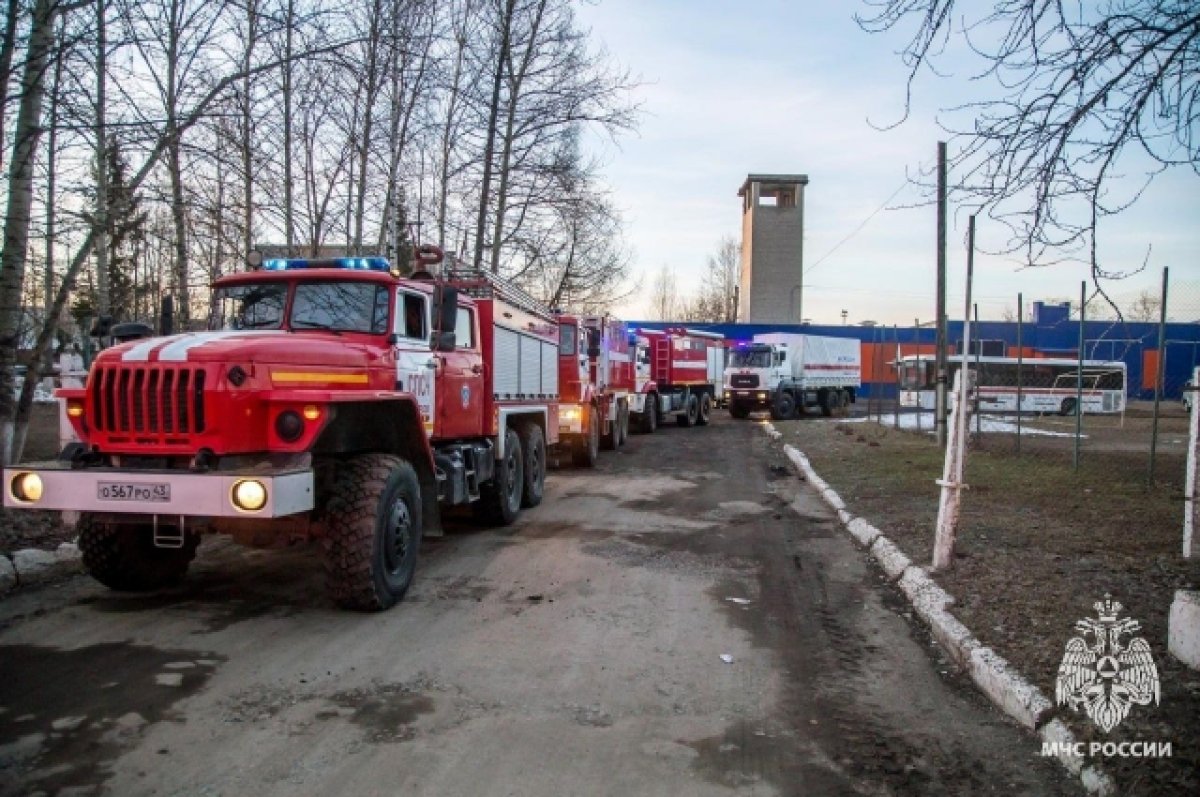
pixel 168 536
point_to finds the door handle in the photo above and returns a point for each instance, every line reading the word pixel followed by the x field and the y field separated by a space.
pixel 432 363
pixel 477 369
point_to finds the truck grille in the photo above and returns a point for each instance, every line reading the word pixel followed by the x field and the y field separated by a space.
pixel 147 402
pixel 744 380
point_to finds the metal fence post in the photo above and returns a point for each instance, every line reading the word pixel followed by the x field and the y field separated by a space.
pixel 1079 377
pixel 1159 377
pixel 1020 365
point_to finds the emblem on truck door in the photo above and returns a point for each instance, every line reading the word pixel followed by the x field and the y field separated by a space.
pixel 466 396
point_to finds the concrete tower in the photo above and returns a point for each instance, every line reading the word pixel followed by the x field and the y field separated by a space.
pixel 772 248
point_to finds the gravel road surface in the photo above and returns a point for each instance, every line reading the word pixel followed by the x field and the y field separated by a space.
pixel 687 619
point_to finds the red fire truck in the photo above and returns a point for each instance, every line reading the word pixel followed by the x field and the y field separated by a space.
pixel 331 399
pixel 595 379
pixel 678 373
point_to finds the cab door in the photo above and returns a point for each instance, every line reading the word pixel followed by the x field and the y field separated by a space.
pixel 460 382
pixel 415 364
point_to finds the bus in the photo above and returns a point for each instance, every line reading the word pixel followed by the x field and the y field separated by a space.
pixel 1048 385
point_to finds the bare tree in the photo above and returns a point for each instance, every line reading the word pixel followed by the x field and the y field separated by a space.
pixel 714 300
pixel 664 296
pixel 1084 95
pixel 1144 307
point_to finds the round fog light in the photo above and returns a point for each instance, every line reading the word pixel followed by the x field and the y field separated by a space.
pixel 249 495
pixel 27 487
pixel 289 426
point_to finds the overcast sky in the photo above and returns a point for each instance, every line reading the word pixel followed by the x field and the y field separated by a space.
pixel 778 86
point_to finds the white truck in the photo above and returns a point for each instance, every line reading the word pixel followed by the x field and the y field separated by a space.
pixel 789 373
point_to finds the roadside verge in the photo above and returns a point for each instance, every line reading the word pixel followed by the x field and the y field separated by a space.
pixel 993 675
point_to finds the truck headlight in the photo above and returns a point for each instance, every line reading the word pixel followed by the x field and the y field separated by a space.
pixel 249 495
pixel 26 487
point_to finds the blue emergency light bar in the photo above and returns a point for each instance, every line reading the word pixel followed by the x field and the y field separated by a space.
pixel 350 263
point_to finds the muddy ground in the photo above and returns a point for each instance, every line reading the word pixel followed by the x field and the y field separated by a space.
pixel 579 651
pixel 1040 543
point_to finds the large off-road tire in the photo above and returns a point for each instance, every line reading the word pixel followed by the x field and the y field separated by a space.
pixel 691 411
pixel 587 448
pixel 123 556
pixel 610 440
pixel 500 499
pixel 533 443
pixel 705 410
pixel 784 406
pixel 739 410
pixel 374 527
pixel 1067 407
pixel 623 422
pixel 649 419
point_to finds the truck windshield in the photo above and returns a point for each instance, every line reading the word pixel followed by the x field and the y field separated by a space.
pixel 334 306
pixel 249 306
pixel 750 358
pixel 340 306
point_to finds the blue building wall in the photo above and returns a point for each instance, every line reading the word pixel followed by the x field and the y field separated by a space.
pixel 1050 333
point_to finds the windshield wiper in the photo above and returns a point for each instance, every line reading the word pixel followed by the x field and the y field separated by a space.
pixel 315 325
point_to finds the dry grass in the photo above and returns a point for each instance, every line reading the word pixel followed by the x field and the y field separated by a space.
pixel 1039 543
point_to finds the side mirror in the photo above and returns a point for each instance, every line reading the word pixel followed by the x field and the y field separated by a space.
pixel 445 309
pixel 102 327
pixel 443 341
pixel 166 324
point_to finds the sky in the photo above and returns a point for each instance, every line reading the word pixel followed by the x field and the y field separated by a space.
pixel 784 87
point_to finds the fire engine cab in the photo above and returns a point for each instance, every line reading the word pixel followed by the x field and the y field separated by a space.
pixel 596 380
pixel 678 373
pixel 329 399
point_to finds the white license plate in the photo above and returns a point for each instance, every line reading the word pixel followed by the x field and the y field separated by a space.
pixel 138 492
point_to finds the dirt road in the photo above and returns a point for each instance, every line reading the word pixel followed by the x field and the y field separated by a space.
pixel 577 652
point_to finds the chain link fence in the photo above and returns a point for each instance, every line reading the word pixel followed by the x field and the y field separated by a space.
pixel 1128 413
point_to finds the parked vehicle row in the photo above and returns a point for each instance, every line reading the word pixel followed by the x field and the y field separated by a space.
pixel 333 399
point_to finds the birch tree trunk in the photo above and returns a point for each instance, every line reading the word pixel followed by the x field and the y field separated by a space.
pixel 103 295
pixel 516 79
pixel 489 148
pixel 246 131
pixel 8 45
pixel 17 216
pixel 289 211
pixel 370 95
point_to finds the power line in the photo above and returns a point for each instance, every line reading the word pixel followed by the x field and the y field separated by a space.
pixel 860 227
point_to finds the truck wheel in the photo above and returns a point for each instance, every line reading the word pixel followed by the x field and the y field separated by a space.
pixel 1068 407
pixel 533 443
pixel 691 411
pixel 826 400
pixel 705 410
pixel 374 531
pixel 612 438
pixel 500 500
pixel 123 556
pixel 649 420
pixel 623 422
pixel 587 447
pixel 739 410
pixel 784 408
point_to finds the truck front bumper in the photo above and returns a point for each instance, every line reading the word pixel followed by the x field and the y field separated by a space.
pixel 248 494
pixel 748 397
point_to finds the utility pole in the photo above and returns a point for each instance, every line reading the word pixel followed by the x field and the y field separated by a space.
pixel 939 405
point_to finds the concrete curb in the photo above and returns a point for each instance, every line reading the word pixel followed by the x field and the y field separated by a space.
pixel 34 566
pixel 992 674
